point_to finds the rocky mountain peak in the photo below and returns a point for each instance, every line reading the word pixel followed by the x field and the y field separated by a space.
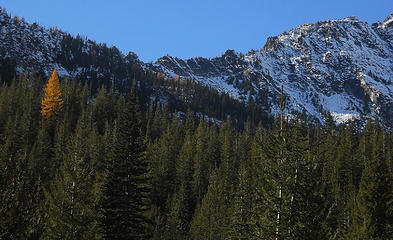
pixel 388 23
pixel 132 57
pixel 340 66
pixel 388 19
pixel 351 19
pixel 230 53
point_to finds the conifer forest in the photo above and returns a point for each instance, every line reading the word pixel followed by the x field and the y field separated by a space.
pixel 116 163
pixel 291 141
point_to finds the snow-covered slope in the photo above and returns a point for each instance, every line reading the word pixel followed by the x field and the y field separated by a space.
pixel 341 66
pixel 33 48
pixel 30 44
pixel 338 66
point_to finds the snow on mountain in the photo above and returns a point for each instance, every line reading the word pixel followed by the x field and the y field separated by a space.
pixel 30 42
pixel 337 65
pixel 340 66
pixel 33 48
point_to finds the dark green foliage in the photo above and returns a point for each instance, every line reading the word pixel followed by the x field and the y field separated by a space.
pixel 125 201
pixel 242 213
pixel 177 225
pixel 112 167
pixel 210 218
pixel 372 216
pixel 73 199
pixel 201 164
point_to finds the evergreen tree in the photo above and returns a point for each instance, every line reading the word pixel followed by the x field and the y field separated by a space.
pixel 12 182
pixel 210 218
pixel 243 220
pixel 126 187
pixel 74 196
pixel 177 225
pixel 200 175
pixel 306 202
pixel 372 216
pixel 343 188
pixel 184 172
pixel 276 177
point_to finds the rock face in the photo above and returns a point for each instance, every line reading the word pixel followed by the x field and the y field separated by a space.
pixel 340 66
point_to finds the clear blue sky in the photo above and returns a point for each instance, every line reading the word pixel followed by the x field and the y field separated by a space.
pixel 188 28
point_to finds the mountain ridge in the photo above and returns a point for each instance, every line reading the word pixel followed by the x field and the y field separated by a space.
pixel 344 67
pixel 320 53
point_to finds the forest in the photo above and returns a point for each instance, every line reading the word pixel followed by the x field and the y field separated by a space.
pixel 182 162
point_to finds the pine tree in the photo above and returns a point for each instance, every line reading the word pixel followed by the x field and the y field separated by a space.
pixel 163 162
pixel 12 163
pixel 210 218
pixel 177 225
pixel 327 152
pixel 306 203
pixel 126 189
pixel 52 103
pixel 229 163
pixel 41 172
pixel 242 211
pixel 200 175
pixel 372 216
pixel 343 188
pixel 184 171
pixel 212 149
pixel 276 177
pixel 74 196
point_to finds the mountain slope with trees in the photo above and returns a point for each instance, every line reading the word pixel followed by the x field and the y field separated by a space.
pixel 105 169
pixel 344 61
pixel 115 150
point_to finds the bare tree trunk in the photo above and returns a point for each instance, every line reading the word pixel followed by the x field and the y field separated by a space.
pixel 280 161
pixel 73 194
pixel 291 204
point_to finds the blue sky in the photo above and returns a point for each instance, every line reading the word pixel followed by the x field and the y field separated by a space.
pixel 188 28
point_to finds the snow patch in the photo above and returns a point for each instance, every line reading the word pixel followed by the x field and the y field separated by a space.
pixel 344 117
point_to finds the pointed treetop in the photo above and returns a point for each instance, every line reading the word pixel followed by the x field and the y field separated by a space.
pixel 52 103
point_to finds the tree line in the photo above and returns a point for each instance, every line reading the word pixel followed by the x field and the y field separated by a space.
pixel 120 165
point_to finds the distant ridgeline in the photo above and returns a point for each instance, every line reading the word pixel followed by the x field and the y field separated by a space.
pixel 30 48
pixel 342 67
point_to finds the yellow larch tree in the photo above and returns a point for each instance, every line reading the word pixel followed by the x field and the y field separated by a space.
pixel 52 104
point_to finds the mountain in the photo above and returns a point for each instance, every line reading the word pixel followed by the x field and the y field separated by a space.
pixel 344 67
pixel 33 48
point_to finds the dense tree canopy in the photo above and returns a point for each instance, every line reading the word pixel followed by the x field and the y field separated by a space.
pixel 127 165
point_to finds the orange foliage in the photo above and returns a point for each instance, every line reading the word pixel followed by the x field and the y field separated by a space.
pixel 52 104
pixel 176 79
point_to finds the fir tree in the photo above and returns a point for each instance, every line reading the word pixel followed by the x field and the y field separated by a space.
pixel 200 177
pixel 126 187
pixel 177 225
pixel 343 188
pixel 243 220
pixel 372 216
pixel 73 198
pixel 209 220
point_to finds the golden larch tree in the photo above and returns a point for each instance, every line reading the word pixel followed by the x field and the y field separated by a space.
pixel 52 104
